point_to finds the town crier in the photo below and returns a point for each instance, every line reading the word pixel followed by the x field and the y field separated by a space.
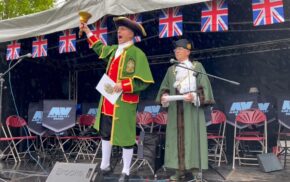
pixel 128 66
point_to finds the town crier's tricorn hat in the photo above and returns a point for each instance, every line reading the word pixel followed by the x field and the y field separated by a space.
pixel 137 28
pixel 186 44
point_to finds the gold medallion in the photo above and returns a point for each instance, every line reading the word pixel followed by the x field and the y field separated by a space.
pixel 109 88
pixel 188 46
pixel 130 68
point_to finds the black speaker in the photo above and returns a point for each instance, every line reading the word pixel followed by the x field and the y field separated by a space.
pixel 269 162
pixel 154 146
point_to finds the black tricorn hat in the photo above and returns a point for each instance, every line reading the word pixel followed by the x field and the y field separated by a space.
pixel 134 26
pixel 186 44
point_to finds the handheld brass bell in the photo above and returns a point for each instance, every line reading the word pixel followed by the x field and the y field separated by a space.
pixel 84 18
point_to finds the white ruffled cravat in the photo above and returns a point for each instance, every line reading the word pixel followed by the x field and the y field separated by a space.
pixel 121 48
pixel 185 79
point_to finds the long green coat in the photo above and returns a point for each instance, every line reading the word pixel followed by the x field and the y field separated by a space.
pixel 133 65
pixel 191 147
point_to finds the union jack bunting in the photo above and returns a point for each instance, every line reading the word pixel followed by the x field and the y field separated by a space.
pixel 214 16
pixel 67 41
pixel 266 12
pixel 170 22
pixel 13 50
pixel 137 18
pixel 100 30
pixel 39 47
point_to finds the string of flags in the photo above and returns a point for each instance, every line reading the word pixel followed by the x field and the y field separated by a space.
pixel 67 41
pixel 170 22
pixel 214 18
pixel 100 30
pixel 39 47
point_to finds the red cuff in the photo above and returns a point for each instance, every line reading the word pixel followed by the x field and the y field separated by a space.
pixel 127 85
pixel 130 98
pixel 92 40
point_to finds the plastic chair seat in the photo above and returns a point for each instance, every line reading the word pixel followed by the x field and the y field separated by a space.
pixel 244 138
pixel 284 134
pixel 215 137
pixel 6 139
pixel 250 133
pixel 88 137
pixel 24 137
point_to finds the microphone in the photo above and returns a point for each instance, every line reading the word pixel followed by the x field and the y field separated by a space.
pixel 29 55
pixel 173 61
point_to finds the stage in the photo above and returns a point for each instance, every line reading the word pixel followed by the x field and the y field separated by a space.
pixel 29 171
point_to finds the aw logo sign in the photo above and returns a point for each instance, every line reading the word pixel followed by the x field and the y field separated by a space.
pixel 59 113
pixel 286 107
pixel 239 106
pixel 37 117
pixel 93 111
pixel 154 109
pixel 264 107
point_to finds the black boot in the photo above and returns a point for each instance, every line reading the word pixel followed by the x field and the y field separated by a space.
pixel 106 171
pixel 124 177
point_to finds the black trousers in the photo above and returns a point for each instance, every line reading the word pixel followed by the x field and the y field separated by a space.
pixel 106 127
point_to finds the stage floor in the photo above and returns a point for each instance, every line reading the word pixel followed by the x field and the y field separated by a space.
pixel 30 171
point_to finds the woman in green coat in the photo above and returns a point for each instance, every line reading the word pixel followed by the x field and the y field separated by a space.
pixel 182 150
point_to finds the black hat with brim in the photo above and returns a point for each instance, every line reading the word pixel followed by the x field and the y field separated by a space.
pixel 134 26
pixel 184 43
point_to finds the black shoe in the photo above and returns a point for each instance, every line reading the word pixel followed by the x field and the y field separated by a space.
pixel 124 177
pixel 89 132
pixel 106 171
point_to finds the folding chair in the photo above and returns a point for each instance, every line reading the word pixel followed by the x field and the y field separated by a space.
pixel 65 142
pixel 217 151
pixel 144 120
pixel 250 116
pixel 88 145
pixel 16 122
pixel 161 120
pixel 283 143
pixel 8 150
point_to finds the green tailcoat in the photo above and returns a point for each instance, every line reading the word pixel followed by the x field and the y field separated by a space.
pixel 134 66
pixel 191 118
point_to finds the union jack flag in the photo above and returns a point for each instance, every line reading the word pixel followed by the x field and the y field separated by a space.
pixel 170 22
pixel 214 16
pixel 13 50
pixel 266 12
pixel 39 47
pixel 137 18
pixel 100 30
pixel 67 41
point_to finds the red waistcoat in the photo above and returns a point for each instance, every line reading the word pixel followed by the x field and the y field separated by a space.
pixel 107 107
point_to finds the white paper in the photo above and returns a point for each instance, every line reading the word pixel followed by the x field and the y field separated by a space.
pixel 105 86
pixel 170 98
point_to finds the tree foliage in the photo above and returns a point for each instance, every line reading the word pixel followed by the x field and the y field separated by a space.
pixel 15 8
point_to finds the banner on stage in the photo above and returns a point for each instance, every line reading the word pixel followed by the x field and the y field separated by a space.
pixel 106 88
pixel 59 115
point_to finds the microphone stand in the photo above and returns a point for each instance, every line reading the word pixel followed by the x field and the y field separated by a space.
pixel 199 176
pixel 2 80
